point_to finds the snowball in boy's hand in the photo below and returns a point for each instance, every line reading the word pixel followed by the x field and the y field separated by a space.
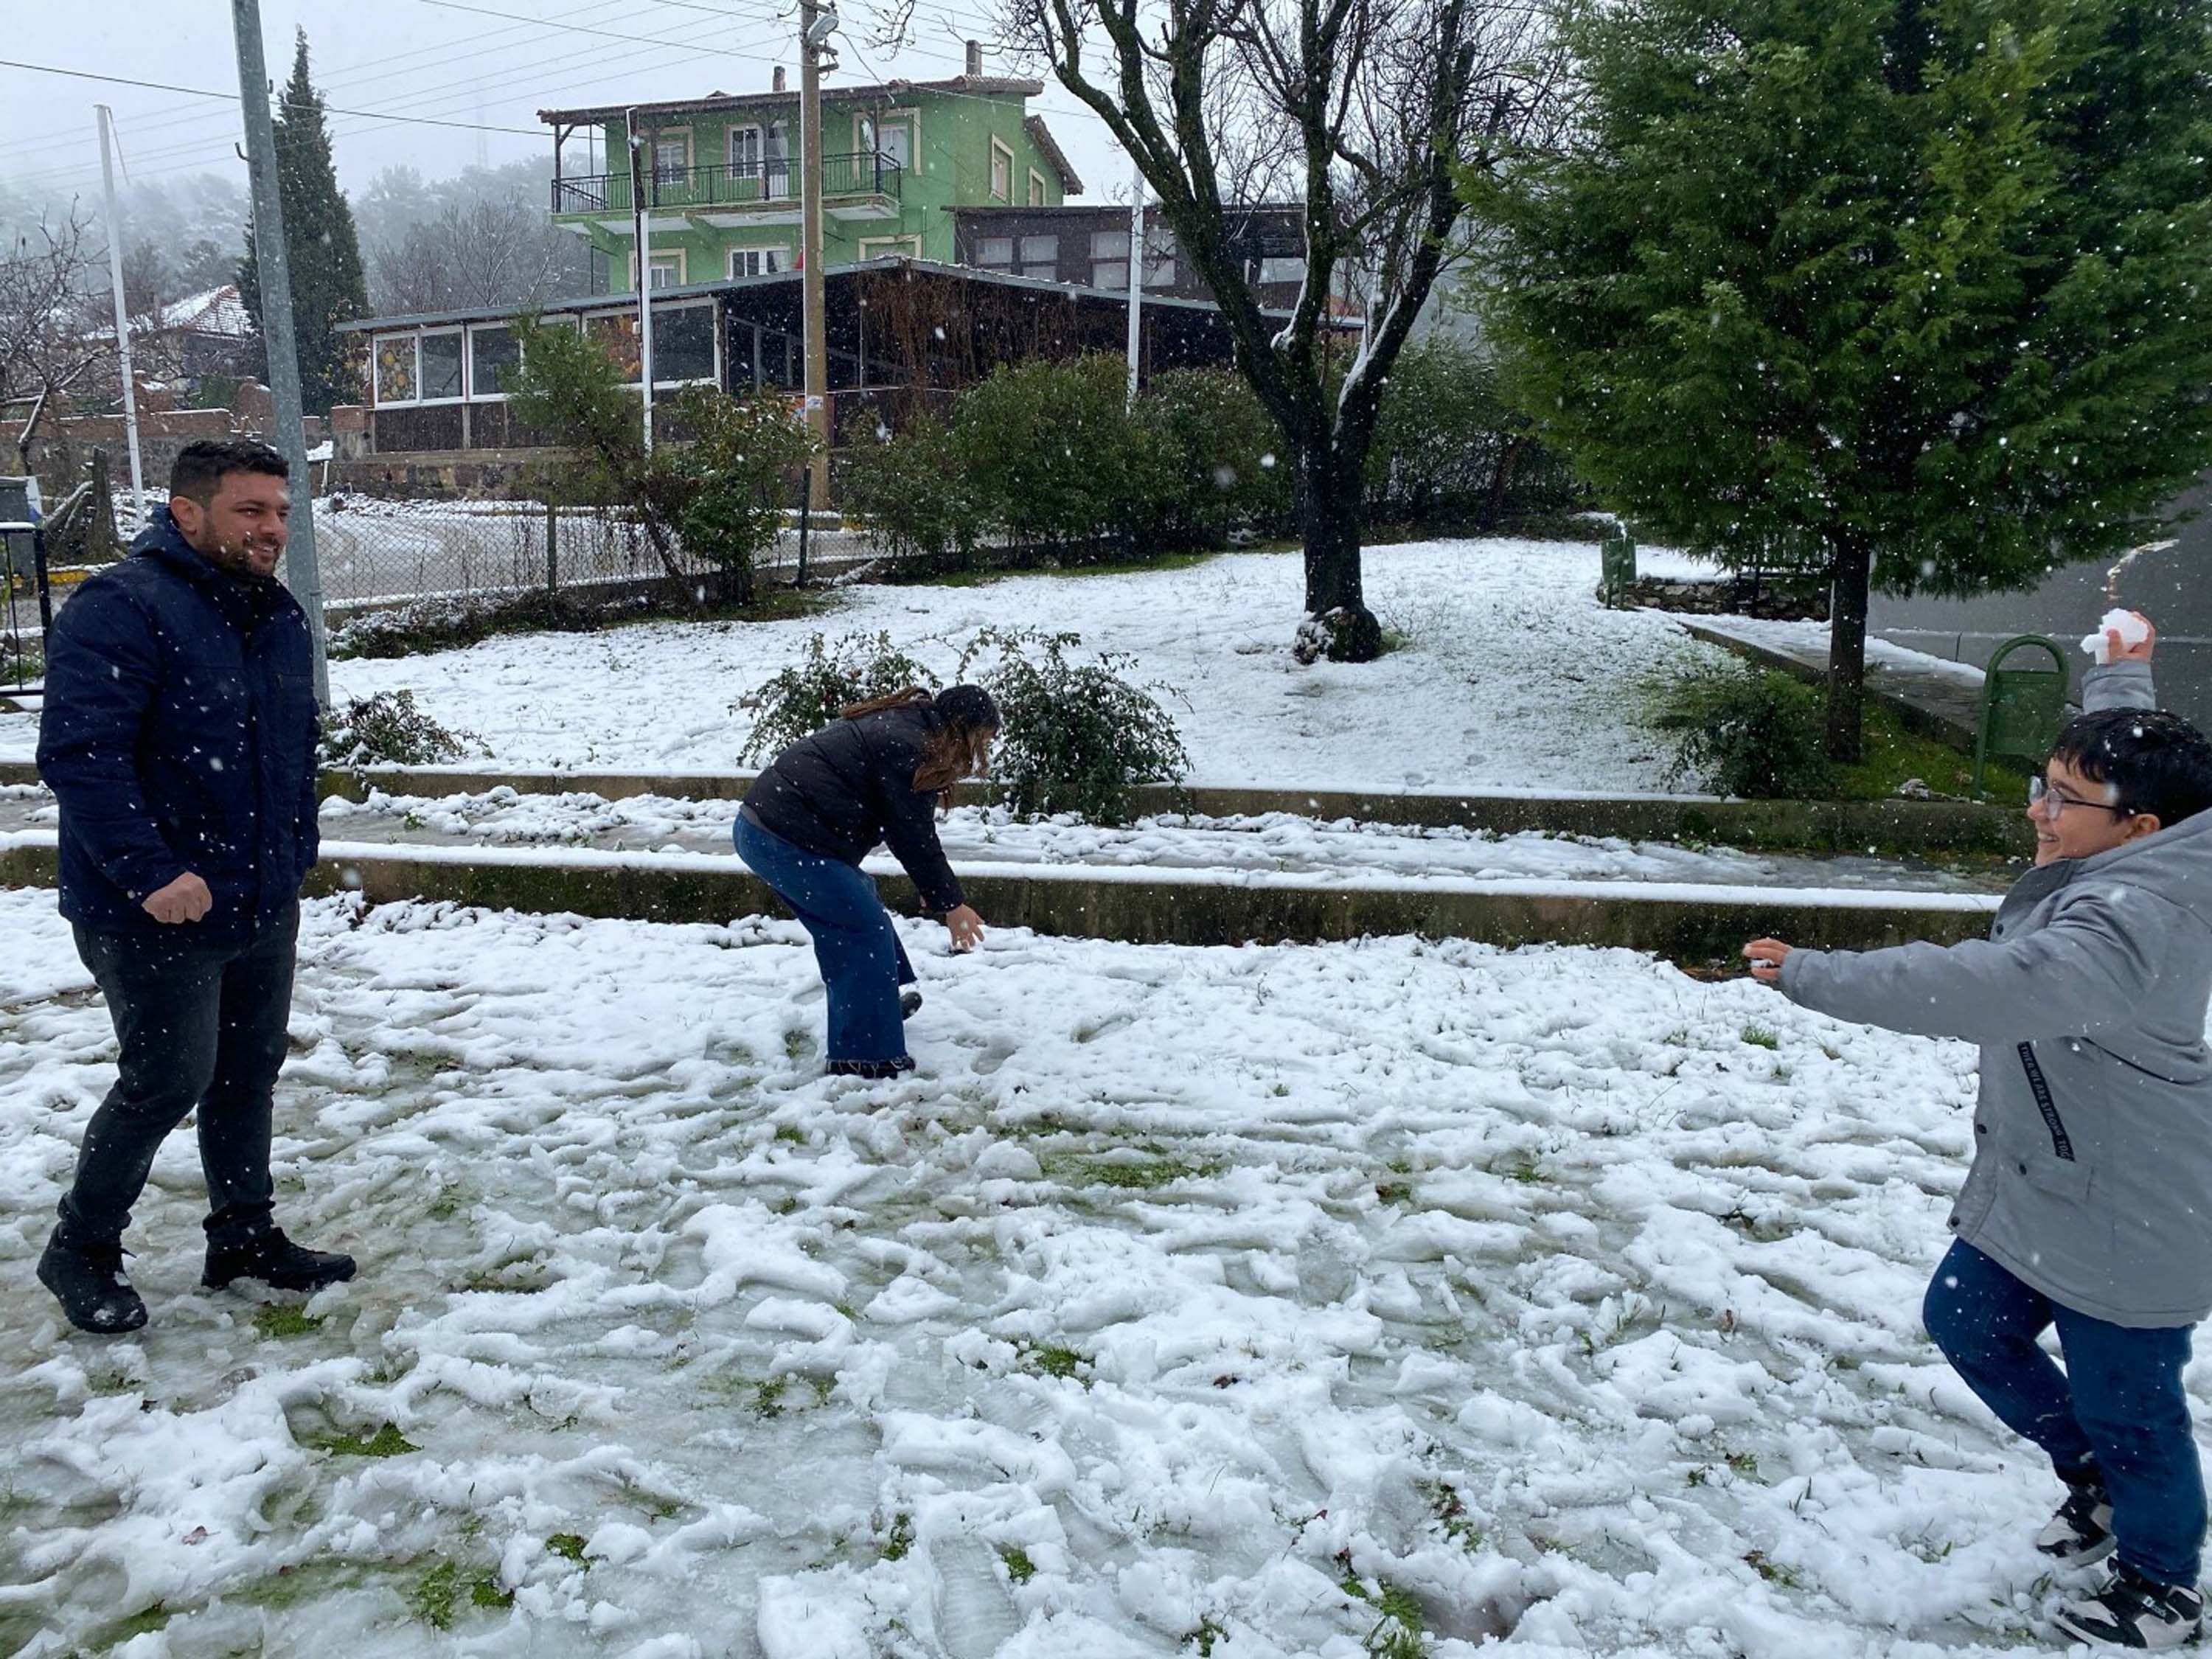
pixel 1766 957
pixel 2117 635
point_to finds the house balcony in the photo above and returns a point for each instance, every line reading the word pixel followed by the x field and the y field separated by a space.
pixel 854 185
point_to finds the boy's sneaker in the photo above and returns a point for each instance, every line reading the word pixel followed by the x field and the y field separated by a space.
pixel 276 1260
pixel 2131 1611
pixel 2081 1532
pixel 87 1281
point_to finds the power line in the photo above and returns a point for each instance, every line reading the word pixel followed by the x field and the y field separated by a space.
pixel 229 97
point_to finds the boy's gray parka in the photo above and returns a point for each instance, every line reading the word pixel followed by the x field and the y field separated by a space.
pixel 2092 1179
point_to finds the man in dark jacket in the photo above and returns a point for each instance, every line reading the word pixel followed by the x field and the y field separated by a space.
pixel 180 737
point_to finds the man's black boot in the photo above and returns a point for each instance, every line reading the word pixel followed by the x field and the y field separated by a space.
pixel 276 1260
pixel 87 1280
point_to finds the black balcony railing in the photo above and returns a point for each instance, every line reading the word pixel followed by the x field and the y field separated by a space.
pixel 761 185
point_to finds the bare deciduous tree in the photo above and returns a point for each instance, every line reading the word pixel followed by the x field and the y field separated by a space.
pixel 488 251
pixel 48 343
pixel 1363 111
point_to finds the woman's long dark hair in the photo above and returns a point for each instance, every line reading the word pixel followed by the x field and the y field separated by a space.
pixel 955 750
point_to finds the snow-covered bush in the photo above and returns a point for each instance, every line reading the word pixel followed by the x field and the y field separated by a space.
pixel 389 730
pixel 1750 731
pixel 801 699
pixel 1077 736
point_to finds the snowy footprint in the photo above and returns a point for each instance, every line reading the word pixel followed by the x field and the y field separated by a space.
pixel 974 1616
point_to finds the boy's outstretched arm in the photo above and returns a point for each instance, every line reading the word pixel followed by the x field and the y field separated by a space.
pixel 2123 681
pixel 2087 970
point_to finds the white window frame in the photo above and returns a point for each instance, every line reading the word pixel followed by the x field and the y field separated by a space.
pixel 910 118
pixel 669 135
pixel 998 148
pixel 459 397
pixel 881 245
pixel 791 159
pixel 469 360
pixel 760 150
pixel 1039 189
pixel 781 251
pixel 715 376
pixel 682 256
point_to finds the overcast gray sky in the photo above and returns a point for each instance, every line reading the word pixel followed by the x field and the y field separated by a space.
pixel 445 59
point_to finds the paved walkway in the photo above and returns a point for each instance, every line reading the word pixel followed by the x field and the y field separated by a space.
pixel 1938 699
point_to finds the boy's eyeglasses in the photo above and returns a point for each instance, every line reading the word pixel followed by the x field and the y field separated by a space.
pixel 2047 801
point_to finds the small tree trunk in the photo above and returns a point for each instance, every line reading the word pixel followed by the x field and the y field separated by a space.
pixel 1847 624
pixel 1329 524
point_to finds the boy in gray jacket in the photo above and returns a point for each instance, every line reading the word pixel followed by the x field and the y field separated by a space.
pixel 2089 1204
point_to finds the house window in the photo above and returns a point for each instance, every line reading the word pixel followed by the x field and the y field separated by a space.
pixel 1286 268
pixel 683 344
pixel 1037 189
pixel 1002 172
pixel 441 367
pixel 1159 257
pixel 757 261
pixel 671 157
pixel 396 378
pixel 667 269
pixel 994 253
pixel 494 353
pixel 1041 257
pixel 777 157
pixel 615 332
pixel 1110 258
pixel 888 137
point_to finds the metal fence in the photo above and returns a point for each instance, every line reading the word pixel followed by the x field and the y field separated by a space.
pixel 380 555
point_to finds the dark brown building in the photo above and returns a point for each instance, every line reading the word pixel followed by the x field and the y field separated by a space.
pixel 1089 247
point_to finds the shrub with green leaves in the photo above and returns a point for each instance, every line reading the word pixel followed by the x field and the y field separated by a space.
pixel 1449 454
pixel 801 699
pixel 912 495
pixel 1755 733
pixel 388 729
pixel 1077 736
pixel 1225 460
pixel 1054 458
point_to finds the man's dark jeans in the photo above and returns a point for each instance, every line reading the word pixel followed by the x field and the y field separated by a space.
pixel 201 1026
pixel 2119 1403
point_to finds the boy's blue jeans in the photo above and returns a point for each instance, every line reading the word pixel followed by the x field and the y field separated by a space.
pixel 2118 1403
pixel 863 964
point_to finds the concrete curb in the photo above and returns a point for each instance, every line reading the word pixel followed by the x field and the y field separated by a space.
pixel 1684 922
pixel 1942 828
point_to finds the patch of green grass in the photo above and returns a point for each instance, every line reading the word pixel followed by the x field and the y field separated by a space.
pixel 1526 1173
pixel 1772 1571
pixel 445 1205
pixel 1051 1361
pixel 568 1545
pixel 900 1540
pixel 1395 1192
pixel 788 1134
pixel 1744 1464
pixel 1759 1037
pixel 1124 1174
pixel 1398 1633
pixel 1019 1567
pixel 1210 1630
pixel 1451 1513
pixel 439 1593
pixel 1889 755
pixel 387 1442
pixel 154 1618
pixel 796 1045
pixel 767 1396
pixel 282 1320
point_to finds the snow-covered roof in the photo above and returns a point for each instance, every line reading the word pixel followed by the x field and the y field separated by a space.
pixel 217 311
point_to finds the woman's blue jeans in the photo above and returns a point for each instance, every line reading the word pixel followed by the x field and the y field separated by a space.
pixel 863 964
pixel 2119 1403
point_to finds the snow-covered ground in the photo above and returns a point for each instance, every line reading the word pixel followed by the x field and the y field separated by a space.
pixel 1513 674
pixel 1187 1301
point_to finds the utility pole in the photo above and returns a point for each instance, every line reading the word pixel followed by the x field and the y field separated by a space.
pixel 641 233
pixel 273 261
pixel 1136 270
pixel 106 120
pixel 816 23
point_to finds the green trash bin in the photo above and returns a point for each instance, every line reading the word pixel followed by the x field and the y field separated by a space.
pixel 2023 708
pixel 1616 568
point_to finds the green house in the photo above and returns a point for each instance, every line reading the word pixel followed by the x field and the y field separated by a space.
pixel 721 174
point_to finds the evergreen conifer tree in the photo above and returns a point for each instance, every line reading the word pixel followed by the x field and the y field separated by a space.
pixel 1905 292
pixel 328 283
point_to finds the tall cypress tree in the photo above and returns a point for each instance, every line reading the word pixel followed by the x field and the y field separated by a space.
pixel 329 286
pixel 1901 291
